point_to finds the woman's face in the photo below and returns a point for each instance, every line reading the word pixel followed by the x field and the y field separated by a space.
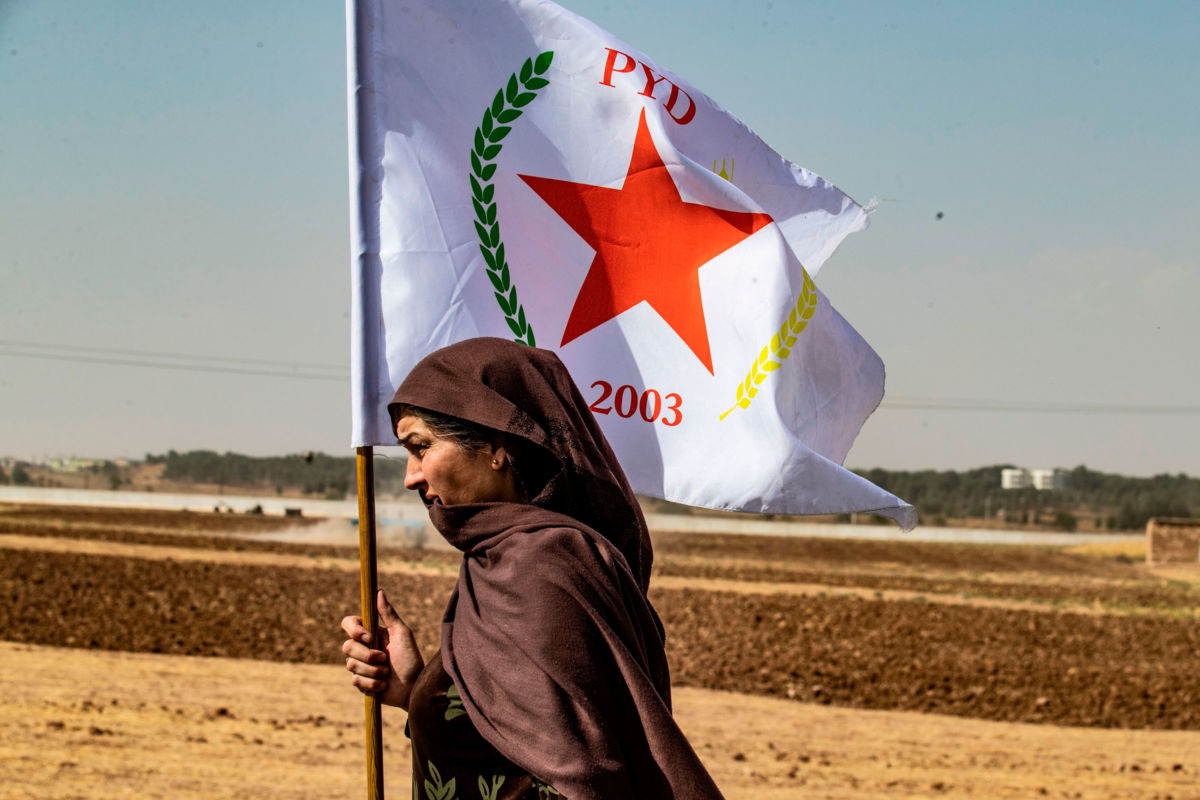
pixel 438 469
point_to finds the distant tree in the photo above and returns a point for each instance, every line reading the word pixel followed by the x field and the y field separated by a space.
pixel 3 477
pixel 1135 513
pixel 19 476
pixel 1065 521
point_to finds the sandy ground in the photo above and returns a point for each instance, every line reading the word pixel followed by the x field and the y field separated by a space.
pixel 87 723
pixel 90 724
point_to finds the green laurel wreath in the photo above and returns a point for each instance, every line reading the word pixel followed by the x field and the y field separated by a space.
pixel 518 92
pixel 779 348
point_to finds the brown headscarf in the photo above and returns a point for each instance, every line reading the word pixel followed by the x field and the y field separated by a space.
pixel 549 637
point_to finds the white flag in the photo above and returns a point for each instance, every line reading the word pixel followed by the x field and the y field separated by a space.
pixel 516 171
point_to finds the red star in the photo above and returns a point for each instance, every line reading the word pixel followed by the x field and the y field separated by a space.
pixel 649 245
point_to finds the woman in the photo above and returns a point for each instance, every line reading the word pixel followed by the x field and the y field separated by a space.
pixel 551 678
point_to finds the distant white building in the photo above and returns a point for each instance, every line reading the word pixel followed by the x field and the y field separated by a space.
pixel 1015 478
pixel 1041 479
pixel 1049 478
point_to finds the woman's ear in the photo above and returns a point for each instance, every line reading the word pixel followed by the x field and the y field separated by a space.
pixel 501 459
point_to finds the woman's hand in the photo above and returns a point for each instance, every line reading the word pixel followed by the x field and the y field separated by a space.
pixel 391 670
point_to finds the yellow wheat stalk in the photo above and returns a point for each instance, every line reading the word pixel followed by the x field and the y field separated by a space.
pixel 779 348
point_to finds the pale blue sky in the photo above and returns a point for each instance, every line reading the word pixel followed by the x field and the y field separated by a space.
pixel 174 179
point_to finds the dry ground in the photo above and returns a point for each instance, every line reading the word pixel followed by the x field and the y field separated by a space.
pixel 99 725
pixel 830 646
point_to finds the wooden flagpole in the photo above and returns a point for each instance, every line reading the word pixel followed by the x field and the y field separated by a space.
pixel 369 587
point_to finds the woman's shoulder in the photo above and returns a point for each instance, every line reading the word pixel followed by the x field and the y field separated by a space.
pixel 563 566
pixel 567 546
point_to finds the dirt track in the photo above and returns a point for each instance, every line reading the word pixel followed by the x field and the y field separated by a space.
pixel 1104 670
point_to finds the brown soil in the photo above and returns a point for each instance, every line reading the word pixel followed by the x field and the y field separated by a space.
pixel 1036 574
pixel 1139 593
pixel 797 663
pixel 1068 669
pixel 1099 669
pixel 199 530
pixel 776 550
pixel 196 728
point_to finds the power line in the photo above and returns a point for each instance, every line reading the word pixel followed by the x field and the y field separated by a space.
pixel 329 372
pixel 164 355
pixel 129 362
pixel 944 404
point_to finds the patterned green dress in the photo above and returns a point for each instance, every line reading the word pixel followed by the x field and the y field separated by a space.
pixel 451 761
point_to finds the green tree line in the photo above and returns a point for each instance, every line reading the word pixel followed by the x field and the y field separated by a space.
pixel 1123 503
pixel 1116 501
pixel 313 473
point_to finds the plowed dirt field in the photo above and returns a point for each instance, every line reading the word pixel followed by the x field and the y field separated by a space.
pixel 1034 635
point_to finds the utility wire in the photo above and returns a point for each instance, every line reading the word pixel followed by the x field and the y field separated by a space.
pixel 329 372
pixel 162 355
pixel 129 362
pixel 945 404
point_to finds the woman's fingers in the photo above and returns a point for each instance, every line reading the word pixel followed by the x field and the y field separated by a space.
pixel 373 671
pixel 353 627
pixel 388 618
pixel 388 672
pixel 367 684
pixel 368 668
pixel 397 628
pixel 360 652
pixel 387 615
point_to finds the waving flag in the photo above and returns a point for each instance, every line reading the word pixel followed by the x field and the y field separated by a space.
pixel 517 171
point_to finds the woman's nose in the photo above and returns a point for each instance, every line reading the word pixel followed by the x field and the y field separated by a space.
pixel 412 474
